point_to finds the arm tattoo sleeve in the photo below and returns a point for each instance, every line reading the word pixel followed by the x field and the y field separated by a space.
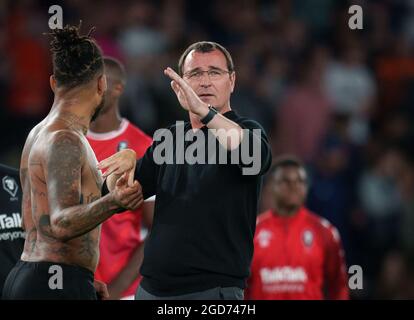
pixel 67 218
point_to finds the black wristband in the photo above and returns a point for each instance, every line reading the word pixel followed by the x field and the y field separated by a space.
pixel 104 189
pixel 210 115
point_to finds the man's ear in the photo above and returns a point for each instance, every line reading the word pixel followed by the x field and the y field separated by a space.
pixel 119 89
pixel 232 80
pixel 102 84
pixel 52 82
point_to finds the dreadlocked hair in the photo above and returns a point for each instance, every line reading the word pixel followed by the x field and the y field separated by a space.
pixel 76 59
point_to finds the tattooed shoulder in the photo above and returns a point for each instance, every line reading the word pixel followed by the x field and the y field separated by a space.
pixel 64 166
pixel 66 146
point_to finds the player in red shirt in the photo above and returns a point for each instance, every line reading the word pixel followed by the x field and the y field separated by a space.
pixel 297 254
pixel 122 236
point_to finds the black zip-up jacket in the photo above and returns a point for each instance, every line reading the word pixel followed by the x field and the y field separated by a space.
pixel 205 214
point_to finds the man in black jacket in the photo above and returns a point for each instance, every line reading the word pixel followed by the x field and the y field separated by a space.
pixel 207 177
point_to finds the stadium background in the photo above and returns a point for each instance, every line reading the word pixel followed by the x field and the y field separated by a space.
pixel 340 99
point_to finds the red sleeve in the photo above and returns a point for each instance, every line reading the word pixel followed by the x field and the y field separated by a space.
pixel 335 269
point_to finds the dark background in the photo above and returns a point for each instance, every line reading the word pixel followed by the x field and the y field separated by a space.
pixel 340 99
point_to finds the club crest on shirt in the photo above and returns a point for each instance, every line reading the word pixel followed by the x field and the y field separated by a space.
pixel 307 238
pixel 264 237
pixel 10 185
pixel 122 145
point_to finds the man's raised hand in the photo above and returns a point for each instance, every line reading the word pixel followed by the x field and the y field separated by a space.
pixel 188 99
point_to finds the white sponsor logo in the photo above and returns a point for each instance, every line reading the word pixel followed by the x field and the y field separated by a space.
pixel 7 222
pixel 10 185
pixel 283 274
pixel 11 236
pixel 284 287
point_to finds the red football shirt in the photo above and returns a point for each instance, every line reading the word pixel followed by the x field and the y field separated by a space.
pixel 297 257
pixel 120 234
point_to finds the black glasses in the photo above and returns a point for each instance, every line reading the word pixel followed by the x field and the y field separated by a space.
pixel 213 74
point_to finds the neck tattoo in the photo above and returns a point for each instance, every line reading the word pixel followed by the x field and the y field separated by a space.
pixel 73 121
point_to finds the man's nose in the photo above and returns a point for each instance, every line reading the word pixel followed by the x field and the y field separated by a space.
pixel 205 80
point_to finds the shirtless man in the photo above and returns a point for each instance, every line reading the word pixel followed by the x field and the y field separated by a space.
pixel 62 203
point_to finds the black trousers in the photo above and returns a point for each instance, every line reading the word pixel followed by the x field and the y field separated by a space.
pixel 218 293
pixel 48 281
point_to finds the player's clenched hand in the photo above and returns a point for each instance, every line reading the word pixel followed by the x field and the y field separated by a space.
pixel 125 196
pixel 101 290
pixel 119 163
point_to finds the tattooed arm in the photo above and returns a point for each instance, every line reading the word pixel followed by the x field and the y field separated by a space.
pixel 67 219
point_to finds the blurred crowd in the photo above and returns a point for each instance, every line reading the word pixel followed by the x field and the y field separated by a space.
pixel 340 99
